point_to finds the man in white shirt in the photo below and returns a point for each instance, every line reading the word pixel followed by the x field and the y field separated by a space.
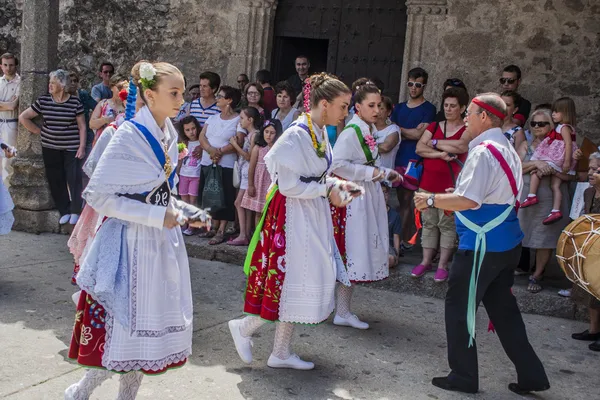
pixel 10 84
pixel 489 248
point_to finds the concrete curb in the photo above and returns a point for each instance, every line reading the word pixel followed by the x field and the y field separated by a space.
pixel 547 302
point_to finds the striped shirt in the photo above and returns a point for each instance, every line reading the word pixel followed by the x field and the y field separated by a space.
pixel 201 113
pixel 59 130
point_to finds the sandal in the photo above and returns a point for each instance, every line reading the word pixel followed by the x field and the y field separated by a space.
pixel 238 242
pixel 207 234
pixel 534 285
pixel 217 239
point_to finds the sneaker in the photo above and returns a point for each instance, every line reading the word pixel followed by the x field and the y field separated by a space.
pixel 243 345
pixel 564 293
pixel 352 321
pixel 73 219
pixel 64 219
pixel 441 275
pixel 420 270
pixel 552 217
pixel 293 362
pixel 189 232
pixel 530 201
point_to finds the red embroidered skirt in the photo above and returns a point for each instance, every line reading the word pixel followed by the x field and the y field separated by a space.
pixel 267 266
pixel 338 215
pixel 89 335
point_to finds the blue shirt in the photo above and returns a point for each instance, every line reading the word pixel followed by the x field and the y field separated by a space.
pixel 332 134
pixel 409 118
pixel 89 104
pixel 101 91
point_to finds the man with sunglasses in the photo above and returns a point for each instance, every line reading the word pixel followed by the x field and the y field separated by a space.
pixel 102 90
pixel 413 117
pixel 490 236
pixel 242 81
pixel 510 80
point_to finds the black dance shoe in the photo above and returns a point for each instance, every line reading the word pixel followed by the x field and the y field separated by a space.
pixel 520 390
pixel 444 383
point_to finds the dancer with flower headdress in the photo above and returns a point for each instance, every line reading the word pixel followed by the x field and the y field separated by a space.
pixel 291 263
pixel 361 230
pixel 134 315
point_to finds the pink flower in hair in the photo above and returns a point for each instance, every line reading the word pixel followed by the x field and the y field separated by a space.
pixel 307 88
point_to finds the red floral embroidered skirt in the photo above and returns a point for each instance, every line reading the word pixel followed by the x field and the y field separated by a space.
pixel 89 335
pixel 338 215
pixel 267 265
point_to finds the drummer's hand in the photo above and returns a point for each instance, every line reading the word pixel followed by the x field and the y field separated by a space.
pixel 352 188
pixel 578 154
pixel 171 216
pixel 394 177
pixel 421 200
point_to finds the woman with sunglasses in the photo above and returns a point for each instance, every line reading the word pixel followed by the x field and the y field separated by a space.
pixel 542 238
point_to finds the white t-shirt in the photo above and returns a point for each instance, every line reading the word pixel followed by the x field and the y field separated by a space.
pixel 218 133
pixel 190 165
pixel 388 160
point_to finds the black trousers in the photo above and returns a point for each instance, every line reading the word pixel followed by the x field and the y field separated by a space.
pixel 63 171
pixel 496 278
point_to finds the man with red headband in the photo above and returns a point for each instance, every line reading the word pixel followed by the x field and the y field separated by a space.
pixel 485 202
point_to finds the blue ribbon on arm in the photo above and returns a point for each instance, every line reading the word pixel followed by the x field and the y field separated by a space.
pixel 156 148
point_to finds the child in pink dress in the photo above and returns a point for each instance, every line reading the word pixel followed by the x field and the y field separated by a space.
pixel 557 150
pixel 259 179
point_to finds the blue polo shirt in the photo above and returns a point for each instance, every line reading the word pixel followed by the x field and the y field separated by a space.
pixel 409 118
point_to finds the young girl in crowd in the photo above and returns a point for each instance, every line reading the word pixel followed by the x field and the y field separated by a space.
pixel 189 170
pixel 557 150
pixel 513 132
pixel 6 203
pixel 250 122
pixel 259 179
pixel 108 110
pixel 387 134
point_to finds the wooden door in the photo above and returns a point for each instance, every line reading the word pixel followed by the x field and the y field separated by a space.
pixel 365 37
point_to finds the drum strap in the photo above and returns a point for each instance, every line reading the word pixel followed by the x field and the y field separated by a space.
pixel 480 240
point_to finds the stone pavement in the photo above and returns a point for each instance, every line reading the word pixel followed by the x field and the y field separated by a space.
pixel 393 360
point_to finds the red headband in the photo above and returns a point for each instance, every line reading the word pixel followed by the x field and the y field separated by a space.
pixel 489 108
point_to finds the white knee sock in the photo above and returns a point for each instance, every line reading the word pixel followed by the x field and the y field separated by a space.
pixel 250 324
pixel 283 340
pixel 343 299
pixel 129 384
pixel 83 389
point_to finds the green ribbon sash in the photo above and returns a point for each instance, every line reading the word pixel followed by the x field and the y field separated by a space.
pixel 363 144
pixel 480 249
pixel 258 230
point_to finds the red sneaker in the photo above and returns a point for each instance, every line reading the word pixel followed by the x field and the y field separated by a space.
pixel 552 218
pixel 530 201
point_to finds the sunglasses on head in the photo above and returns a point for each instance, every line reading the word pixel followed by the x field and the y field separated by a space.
pixel 510 81
pixel 418 85
pixel 541 124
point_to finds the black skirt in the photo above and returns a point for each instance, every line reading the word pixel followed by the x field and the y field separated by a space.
pixel 228 212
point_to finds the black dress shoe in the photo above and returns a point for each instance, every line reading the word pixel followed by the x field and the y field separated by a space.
pixel 444 383
pixel 520 390
pixel 586 335
pixel 595 346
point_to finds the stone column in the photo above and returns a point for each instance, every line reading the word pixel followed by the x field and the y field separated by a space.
pixel 421 13
pixel 34 208
pixel 253 38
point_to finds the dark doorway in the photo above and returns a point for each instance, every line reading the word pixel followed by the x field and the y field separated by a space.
pixel 288 48
pixel 363 37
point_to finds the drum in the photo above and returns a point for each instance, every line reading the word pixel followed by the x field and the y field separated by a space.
pixel 578 253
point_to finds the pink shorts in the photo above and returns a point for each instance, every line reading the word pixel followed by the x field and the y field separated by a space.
pixel 188 186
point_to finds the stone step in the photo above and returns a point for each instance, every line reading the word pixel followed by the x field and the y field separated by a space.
pixel 547 302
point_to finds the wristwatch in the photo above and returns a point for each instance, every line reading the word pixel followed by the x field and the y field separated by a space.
pixel 434 143
pixel 431 200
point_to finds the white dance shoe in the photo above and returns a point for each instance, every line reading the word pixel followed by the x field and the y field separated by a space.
pixel 293 362
pixel 243 345
pixel 64 219
pixel 352 321
pixel 71 392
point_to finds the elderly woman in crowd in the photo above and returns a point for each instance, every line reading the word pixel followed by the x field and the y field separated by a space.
pixel 591 198
pixel 440 170
pixel 63 133
pixel 542 238
pixel 254 94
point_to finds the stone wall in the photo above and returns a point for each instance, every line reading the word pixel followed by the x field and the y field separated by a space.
pixel 10 23
pixel 555 43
